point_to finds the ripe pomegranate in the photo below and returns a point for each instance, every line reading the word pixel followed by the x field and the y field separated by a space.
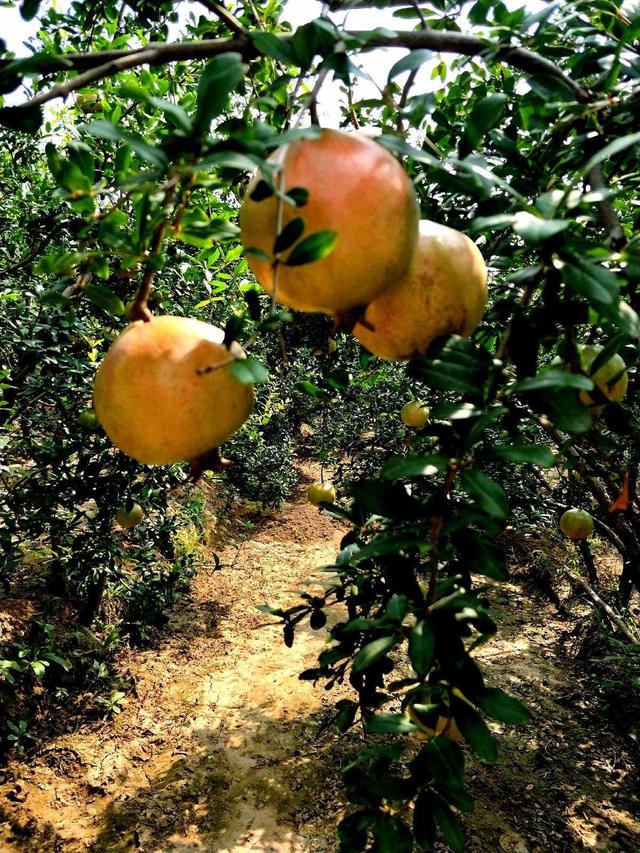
pixel 157 397
pixel 444 292
pixel 357 189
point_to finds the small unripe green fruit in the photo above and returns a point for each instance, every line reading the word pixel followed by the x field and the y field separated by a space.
pixel 88 419
pixel 90 103
pixel 332 346
pixel 130 518
pixel 414 414
pixel 576 524
pixel 321 493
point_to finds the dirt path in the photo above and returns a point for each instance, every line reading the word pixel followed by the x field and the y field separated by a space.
pixel 218 753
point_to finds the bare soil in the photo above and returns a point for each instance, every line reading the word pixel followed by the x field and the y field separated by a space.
pixel 217 751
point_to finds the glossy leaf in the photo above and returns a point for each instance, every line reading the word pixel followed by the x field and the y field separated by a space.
pixel 315 247
pixel 373 652
pixel 499 705
pixel 422 647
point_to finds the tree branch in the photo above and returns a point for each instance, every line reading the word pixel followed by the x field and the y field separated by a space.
pixel 106 63
pixel 225 16
pixel 604 607
pixel 617 238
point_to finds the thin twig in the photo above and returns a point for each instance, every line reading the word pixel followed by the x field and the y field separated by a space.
pixel 411 79
pixel 420 13
pixel 139 309
pixel 352 112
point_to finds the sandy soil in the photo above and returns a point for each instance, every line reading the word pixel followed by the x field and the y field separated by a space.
pixel 217 751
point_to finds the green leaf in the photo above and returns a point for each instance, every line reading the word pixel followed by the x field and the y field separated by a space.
pixel 499 705
pixel 318 37
pixel 299 196
pixel 39 667
pixel 312 248
pixel 249 371
pixel 291 232
pixel 270 45
pixel 491 223
pixel 294 135
pixel 257 253
pixel 451 364
pixel 347 710
pixel 106 130
pixel 440 759
pixel 535 454
pixel 424 825
pixel 387 543
pixel 422 642
pixel 553 378
pixel 373 652
pixel 485 114
pixel 399 146
pixel 536 230
pixel 410 62
pixel 397 608
pixel 219 78
pixel 566 410
pixel 625 318
pixel 392 835
pixel 458 796
pixel 488 494
pixel 29 9
pixel 233 160
pixel 63 662
pixel 475 731
pixel 609 150
pixel 312 390
pixel 380 497
pixel 599 285
pixel 399 467
pixel 176 115
pixel 352 830
pixel 449 826
pixel 104 298
pixel 390 724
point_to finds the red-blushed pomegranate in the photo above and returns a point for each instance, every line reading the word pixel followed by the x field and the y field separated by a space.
pixel 157 397
pixel 357 189
pixel 444 292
